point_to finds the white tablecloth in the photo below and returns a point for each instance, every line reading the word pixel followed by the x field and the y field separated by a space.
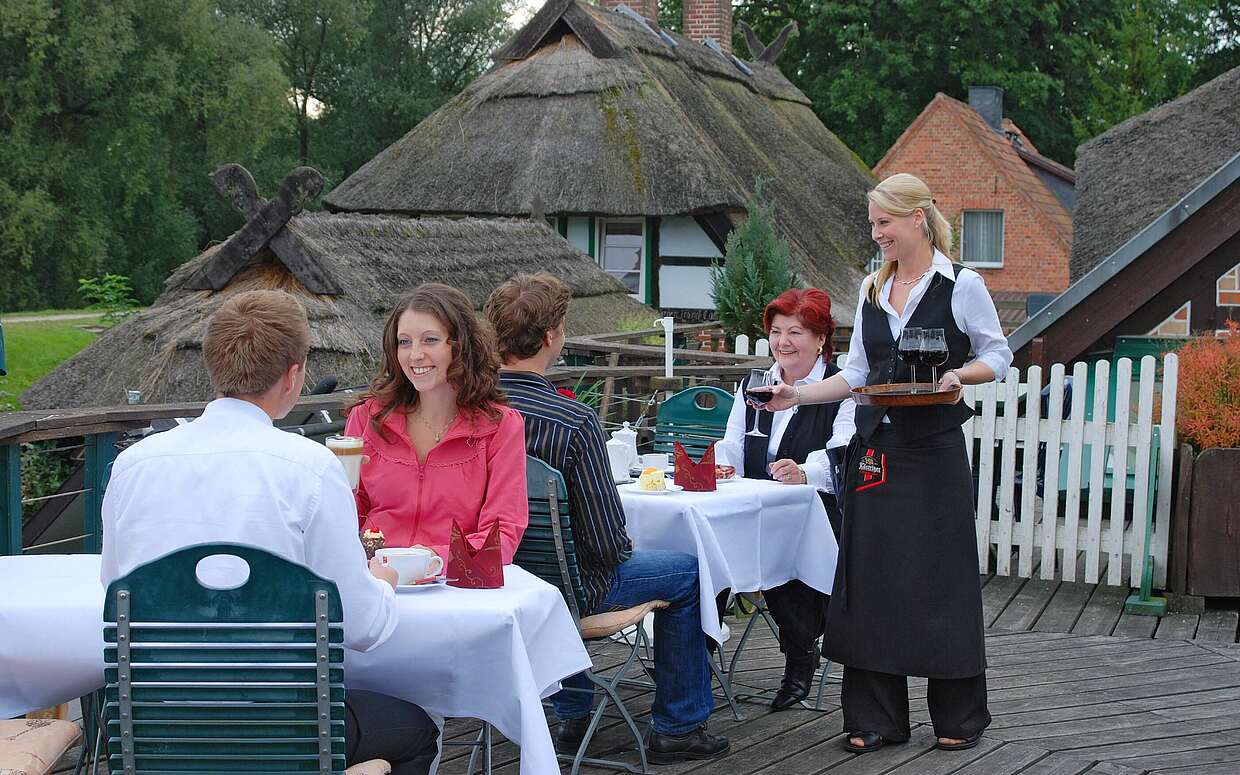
pixel 490 654
pixel 748 535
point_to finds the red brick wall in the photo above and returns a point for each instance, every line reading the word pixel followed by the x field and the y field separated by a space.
pixel 943 155
pixel 702 19
pixel 647 8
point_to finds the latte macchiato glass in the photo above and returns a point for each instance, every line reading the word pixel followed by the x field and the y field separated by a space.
pixel 349 452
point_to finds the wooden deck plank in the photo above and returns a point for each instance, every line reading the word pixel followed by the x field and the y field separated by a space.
pixel 1065 607
pixel 1227 754
pixel 1177 627
pixel 1218 626
pixel 1228 768
pixel 1059 764
pixel 1135 626
pixel 1008 757
pixel 938 762
pixel 1152 738
pixel 997 594
pixel 1102 611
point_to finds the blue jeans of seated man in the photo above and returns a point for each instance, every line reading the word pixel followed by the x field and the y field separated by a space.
pixel 682 697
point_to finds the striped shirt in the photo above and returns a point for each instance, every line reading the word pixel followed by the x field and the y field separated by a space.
pixel 566 435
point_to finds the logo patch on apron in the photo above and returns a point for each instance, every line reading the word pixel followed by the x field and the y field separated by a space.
pixel 872 470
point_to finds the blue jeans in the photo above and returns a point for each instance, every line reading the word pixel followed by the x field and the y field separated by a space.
pixel 682 697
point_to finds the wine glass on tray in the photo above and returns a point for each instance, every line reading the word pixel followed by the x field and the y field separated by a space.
pixel 909 350
pixel 757 378
pixel 934 351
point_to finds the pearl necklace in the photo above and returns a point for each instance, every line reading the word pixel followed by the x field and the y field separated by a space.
pixel 914 280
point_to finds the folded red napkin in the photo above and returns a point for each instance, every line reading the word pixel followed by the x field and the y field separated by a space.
pixel 699 476
pixel 470 568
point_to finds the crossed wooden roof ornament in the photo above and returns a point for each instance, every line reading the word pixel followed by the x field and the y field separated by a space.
pixel 265 228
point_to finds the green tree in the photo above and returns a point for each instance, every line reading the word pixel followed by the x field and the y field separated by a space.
pixel 111 114
pixel 1069 68
pixel 755 270
pixel 315 39
pixel 414 56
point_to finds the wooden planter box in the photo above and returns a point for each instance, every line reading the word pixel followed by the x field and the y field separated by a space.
pixel 1207 523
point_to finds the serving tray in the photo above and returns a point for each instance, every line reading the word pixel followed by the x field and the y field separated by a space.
pixel 904 394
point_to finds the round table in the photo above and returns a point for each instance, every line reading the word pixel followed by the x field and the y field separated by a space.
pixel 490 654
pixel 748 535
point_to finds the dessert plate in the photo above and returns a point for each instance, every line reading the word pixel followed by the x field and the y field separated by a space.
pixel 433 583
pixel 637 489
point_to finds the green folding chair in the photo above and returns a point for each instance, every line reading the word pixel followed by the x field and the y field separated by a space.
pixel 695 417
pixel 204 679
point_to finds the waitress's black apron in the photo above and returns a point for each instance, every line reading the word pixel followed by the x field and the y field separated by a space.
pixel 907 596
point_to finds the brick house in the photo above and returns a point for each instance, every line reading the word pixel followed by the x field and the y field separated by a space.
pixel 1010 207
pixel 1156 250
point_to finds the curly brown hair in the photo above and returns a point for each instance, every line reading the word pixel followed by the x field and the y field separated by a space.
pixel 474 372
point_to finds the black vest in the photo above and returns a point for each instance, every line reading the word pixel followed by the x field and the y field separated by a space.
pixel 934 310
pixel 808 430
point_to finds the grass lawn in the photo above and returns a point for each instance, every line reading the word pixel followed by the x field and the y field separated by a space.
pixel 33 349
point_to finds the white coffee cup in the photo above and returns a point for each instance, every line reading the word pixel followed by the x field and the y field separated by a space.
pixel 655 460
pixel 349 451
pixel 412 563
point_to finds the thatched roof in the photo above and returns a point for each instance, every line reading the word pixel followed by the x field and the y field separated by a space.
pixel 598 115
pixel 376 259
pixel 1132 173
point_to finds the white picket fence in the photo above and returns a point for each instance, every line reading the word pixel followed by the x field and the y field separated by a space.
pixel 1115 505
pixel 1135 523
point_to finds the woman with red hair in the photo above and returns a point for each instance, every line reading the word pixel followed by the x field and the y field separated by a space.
pixel 794 451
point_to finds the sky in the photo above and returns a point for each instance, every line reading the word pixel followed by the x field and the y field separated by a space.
pixel 524 10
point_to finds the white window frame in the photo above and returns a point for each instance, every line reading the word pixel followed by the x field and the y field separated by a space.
pixel 1002 241
pixel 600 245
pixel 876 262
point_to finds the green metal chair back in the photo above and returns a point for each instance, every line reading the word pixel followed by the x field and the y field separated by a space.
pixel 204 680
pixel 547 549
pixel 695 417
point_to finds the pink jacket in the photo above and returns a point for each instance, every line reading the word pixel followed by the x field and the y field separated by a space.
pixel 476 475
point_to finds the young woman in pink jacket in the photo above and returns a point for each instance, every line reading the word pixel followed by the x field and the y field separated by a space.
pixel 442 442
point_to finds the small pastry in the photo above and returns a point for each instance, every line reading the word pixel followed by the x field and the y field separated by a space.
pixel 652 479
pixel 725 472
pixel 372 541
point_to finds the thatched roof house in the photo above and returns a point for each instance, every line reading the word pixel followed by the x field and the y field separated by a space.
pixel 371 259
pixel 1156 237
pixel 643 145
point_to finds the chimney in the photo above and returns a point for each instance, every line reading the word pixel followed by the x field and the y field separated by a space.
pixel 649 9
pixel 988 102
pixel 702 19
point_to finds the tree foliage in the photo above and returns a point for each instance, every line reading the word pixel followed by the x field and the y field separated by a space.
pixel 1069 68
pixel 755 270
pixel 114 112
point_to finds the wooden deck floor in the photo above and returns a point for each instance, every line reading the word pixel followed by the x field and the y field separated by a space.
pixel 1075 686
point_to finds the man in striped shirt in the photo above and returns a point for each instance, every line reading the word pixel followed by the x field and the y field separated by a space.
pixel 528 314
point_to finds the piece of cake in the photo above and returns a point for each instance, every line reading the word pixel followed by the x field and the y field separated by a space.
pixel 372 541
pixel 725 472
pixel 652 479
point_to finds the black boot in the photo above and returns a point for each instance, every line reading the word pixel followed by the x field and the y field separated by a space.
pixel 568 737
pixel 698 744
pixel 798 676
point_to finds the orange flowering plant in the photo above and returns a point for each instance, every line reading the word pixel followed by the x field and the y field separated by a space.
pixel 1209 400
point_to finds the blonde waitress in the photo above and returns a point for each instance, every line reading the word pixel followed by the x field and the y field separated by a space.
pixel 907 599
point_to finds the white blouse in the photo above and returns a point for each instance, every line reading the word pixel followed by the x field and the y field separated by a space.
pixel 972 308
pixel 817 467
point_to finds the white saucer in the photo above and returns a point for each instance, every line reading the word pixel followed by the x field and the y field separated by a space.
pixel 637 489
pixel 440 581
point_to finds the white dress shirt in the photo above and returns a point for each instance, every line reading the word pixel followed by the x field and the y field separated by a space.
pixel 230 476
pixel 817 467
pixel 972 308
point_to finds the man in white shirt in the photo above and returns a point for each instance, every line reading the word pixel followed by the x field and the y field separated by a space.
pixel 230 476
